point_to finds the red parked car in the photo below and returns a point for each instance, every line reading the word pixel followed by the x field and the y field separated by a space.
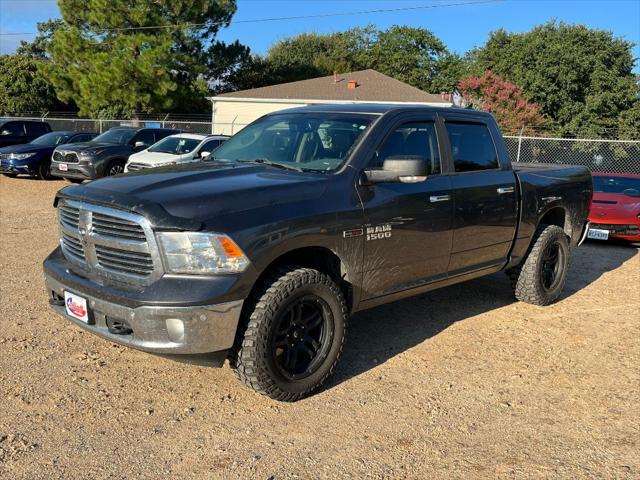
pixel 615 210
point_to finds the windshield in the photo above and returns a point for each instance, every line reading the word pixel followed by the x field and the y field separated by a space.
pixel 305 141
pixel 175 145
pixel 116 135
pixel 51 139
pixel 620 185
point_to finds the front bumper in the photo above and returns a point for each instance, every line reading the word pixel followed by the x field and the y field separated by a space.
pixel 83 170
pixel 17 167
pixel 159 329
pixel 622 231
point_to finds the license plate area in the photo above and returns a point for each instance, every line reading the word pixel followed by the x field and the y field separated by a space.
pixel 63 167
pixel 76 307
pixel 598 234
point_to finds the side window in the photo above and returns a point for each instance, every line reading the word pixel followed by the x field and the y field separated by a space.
pixel 210 146
pixel 160 134
pixel 146 137
pixel 412 139
pixel 472 148
pixel 13 128
pixel 36 129
pixel 79 138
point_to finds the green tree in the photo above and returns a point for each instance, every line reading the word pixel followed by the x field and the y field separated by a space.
pixel 109 57
pixel 23 89
pixel 581 78
pixel 38 47
pixel 412 55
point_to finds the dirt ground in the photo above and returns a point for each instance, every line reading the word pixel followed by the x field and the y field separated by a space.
pixel 458 383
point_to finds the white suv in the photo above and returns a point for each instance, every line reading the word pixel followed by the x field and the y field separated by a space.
pixel 174 149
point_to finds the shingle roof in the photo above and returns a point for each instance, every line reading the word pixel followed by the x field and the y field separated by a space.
pixel 372 86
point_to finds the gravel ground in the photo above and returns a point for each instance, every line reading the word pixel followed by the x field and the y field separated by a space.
pixel 458 383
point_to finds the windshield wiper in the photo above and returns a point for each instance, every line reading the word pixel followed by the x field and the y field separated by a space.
pixel 264 161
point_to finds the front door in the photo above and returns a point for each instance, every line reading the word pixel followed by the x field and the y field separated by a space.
pixel 407 225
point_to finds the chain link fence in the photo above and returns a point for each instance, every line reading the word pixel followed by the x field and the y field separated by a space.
pixel 599 155
pixel 196 124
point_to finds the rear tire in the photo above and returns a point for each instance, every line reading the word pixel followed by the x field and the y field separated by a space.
pixel 294 334
pixel 540 279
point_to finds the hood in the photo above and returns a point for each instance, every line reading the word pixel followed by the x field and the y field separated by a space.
pixel 78 147
pixel 24 148
pixel 614 206
pixel 152 158
pixel 187 196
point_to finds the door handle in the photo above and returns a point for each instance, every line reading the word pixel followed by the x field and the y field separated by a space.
pixel 439 198
pixel 503 190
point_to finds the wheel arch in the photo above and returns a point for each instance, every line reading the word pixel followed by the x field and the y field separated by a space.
pixel 320 258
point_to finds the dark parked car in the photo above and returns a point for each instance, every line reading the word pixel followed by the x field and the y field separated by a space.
pixel 105 155
pixel 34 158
pixel 301 219
pixel 15 132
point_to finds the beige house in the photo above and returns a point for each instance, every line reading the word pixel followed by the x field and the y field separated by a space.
pixel 232 111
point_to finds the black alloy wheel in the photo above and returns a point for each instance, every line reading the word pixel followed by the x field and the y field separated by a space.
pixel 303 335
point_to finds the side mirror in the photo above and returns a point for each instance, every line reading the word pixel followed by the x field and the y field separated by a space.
pixel 139 144
pixel 5 132
pixel 399 169
pixel 204 155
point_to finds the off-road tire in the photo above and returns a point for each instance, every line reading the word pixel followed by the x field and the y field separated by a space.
pixel 251 357
pixel 527 278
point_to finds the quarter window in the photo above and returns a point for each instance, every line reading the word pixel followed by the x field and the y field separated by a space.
pixel 472 148
pixel 412 139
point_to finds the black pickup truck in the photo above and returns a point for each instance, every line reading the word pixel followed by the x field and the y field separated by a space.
pixel 262 253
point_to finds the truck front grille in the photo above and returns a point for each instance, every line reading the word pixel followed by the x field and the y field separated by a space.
pixel 108 243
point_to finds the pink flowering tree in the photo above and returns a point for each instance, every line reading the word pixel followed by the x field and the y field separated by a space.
pixel 505 100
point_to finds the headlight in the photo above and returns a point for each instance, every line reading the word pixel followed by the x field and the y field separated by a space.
pixel 21 156
pixel 91 153
pixel 164 164
pixel 201 253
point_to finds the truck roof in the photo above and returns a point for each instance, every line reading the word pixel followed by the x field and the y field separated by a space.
pixel 379 109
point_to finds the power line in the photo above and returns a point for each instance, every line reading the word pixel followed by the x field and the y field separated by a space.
pixel 278 19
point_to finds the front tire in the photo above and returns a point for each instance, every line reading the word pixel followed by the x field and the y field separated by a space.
pixel 114 168
pixel 294 334
pixel 540 279
pixel 44 171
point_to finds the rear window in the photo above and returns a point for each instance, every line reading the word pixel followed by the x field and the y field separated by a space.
pixel 472 147
pixel 620 185
pixel 37 128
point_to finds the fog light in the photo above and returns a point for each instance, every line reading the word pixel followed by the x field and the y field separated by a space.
pixel 175 329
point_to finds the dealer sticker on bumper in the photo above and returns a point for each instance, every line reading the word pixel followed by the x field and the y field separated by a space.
pixel 76 306
pixel 597 234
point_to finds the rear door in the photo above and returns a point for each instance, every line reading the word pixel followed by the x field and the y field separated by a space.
pixel 407 225
pixel 484 196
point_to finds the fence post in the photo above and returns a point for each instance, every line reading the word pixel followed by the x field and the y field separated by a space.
pixel 519 144
pixel 233 122
pixel 100 125
pixel 165 118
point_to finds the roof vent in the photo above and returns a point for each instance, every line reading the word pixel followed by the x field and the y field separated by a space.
pixel 352 84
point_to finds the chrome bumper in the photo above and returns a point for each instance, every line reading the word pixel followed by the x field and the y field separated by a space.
pixel 194 330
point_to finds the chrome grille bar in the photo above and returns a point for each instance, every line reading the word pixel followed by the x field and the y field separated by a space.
pixel 109 243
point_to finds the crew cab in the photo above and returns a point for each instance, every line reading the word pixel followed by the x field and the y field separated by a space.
pixel 175 149
pixel 105 155
pixel 262 253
